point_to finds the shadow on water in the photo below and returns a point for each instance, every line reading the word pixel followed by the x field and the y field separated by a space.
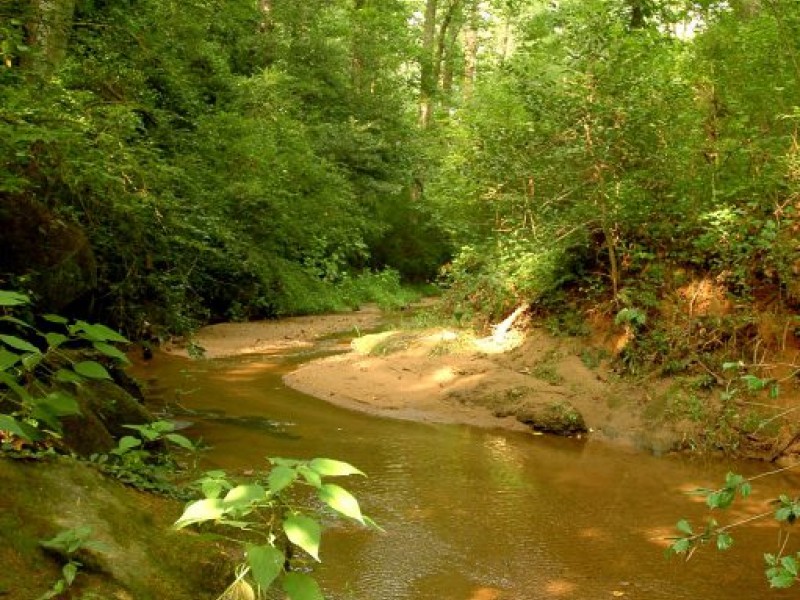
pixel 473 514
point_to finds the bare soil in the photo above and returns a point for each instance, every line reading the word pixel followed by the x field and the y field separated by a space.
pixel 452 376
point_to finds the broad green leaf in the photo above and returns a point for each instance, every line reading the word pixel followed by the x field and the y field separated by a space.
pixel 266 563
pixel 299 586
pixel 8 359
pixel 69 571
pixel 54 340
pixel 125 444
pixel 208 509
pixel 9 298
pixel 16 321
pixel 280 477
pixel 55 319
pixel 17 428
pixel 30 361
pixel 14 385
pixel 312 477
pixel 111 351
pixel 180 440
pixel 304 532
pixel 60 404
pixel 333 468
pixel 91 370
pixel 67 376
pixel 18 343
pixel 97 332
pixel 684 527
pixel 340 500
pixel 244 495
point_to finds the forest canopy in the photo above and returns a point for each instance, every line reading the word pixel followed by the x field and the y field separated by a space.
pixel 192 160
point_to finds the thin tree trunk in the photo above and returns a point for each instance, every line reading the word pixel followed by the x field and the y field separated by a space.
pixel 471 51
pixel 427 79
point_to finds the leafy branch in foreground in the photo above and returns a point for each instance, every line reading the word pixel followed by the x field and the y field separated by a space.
pixel 269 523
pixel 782 569
pixel 39 369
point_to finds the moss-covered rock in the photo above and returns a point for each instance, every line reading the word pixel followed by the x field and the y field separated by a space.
pixel 558 417
pixel 141 557
pixel 105 409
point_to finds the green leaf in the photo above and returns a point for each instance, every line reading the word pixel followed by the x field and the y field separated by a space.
pixel 244 495
pixel 180 440
pixel 299 586
pixel 125 444
pixel 684 527
pixel 54 340
pixel 97 332
pixel 30 361
pixel 69 571
pixel 18 344
pixel 16 321
pixel 19 429
pixel 681 546
pixel 207 509
pixel 8 359
pixel 9 298
pixel 781 579
pixel 333 468
pixel 281 477
pixel 60 403
pixel 724 541
pixel 790 565
pixel 266 563
pixel 340 500
pixel 67 376
pixel 745 489
pixel 304 532
pixel 111 351
pixel 91 370
pixel 312 477
pixel 14 385
pixel 55 319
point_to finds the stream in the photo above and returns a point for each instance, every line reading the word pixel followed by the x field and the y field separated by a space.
pixel 473 514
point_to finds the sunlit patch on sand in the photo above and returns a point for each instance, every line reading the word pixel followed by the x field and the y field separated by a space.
pixel 486 593
pixel 559 588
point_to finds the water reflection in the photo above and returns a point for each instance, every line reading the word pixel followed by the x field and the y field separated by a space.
pixel 473 514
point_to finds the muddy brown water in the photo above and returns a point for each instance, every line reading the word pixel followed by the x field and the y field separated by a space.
pixel 473 514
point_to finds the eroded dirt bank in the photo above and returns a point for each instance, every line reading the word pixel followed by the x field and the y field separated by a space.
pixel 452 376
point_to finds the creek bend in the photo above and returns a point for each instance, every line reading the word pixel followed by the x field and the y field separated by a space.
pixel 468 513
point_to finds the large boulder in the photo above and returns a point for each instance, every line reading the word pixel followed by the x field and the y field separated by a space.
pixel 558 417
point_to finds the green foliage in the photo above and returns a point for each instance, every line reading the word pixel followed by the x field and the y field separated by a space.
pixel 146 461
pixel 66 544
pixel 782 569
pixel 266 506
pixel 40 369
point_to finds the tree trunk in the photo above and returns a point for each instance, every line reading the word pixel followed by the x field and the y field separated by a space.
pixel 471 50
pixel 427 80
pixel 48 32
